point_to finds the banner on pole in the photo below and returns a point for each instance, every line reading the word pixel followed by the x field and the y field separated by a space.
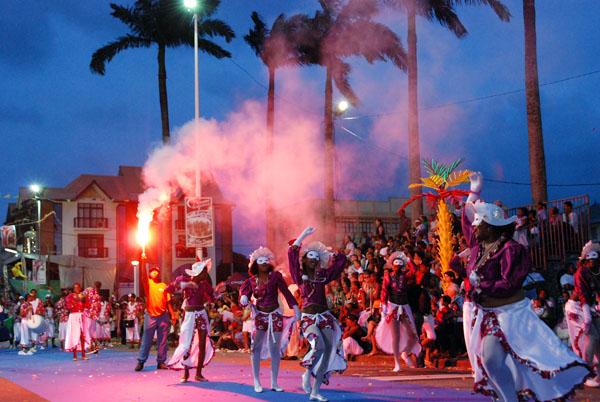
pixel 9 236
pixel 199 223
pixel 39 271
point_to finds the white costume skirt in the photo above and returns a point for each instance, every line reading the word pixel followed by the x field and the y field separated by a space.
pixel 351 347
pixel 50 328
pixel 103 331
pixel 428 327
pixel 25 339
pixel 62 331
pixel 133 334
pixel 272 322
pixel 542 367
pixel 17 331
pixel 186 354
pixel 311 325
pixel 583 331
pixel 91 327
pixel 75 328
pixel 408 341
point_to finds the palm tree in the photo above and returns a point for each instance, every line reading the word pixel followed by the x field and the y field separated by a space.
pixel 445 14
pixel 339 30
pixel 275 50
pixel 164 23
pixel 537 158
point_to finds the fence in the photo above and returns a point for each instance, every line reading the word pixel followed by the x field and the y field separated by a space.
pixel 558 239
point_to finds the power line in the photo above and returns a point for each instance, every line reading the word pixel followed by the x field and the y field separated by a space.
pixel 480 98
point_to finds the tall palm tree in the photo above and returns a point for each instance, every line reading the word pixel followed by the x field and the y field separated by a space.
pixel 339 30
pixel 442 11
pixel 274 48
pixel 537 158
pixel 164 23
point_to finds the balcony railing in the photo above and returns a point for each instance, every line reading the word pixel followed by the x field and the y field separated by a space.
pixel 90 223
pixel 93 252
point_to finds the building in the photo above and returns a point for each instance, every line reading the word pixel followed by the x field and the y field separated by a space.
pixel 595 221
pixel 88 229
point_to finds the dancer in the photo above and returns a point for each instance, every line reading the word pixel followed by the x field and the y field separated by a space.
pixel 103 323
pixel 25 342
pixel 37 308
pixel 76 336
pixel 156 318
pixel 195 347
pixel 132 327
pixel 583 321
pixel 271 332
pixel 91 312
pixel 311 273
pixel 512 352
pixel 50 322
pixel 63 317
pixel 396 333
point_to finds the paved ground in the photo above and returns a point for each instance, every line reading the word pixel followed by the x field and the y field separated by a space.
pixel 52 375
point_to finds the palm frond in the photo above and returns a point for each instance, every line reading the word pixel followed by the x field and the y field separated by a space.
pixel 106 53
pixel 499 8
pixel 443 12
pixel 458 177
pixel 216 28
pixel 211 48
pixel 340 73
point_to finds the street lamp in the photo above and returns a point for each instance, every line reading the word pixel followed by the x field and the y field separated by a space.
pixel 136 276
pixel 36 189
pixel 193 5
pixel 343 106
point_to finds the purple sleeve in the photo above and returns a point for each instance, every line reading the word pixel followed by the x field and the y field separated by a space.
pixel 173 286
pixel 336 268
pixel 467 228
pixel 281 285
pixel 246 288
pixel 514 267
pixel 294 264
pixel 384 288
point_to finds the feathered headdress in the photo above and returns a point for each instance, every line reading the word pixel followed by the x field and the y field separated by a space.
pixel 588 249
pixel 261 252
pixel 320 248
pixel 397 255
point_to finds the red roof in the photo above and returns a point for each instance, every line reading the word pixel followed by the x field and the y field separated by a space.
pixel 126 186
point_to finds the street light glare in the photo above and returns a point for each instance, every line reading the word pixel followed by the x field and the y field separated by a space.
pixel 190 4
pixel 343 105
pixel 35 188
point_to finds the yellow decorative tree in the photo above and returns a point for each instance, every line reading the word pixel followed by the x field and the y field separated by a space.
pixel 441 178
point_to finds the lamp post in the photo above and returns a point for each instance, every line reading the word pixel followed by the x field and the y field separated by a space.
pixel 136 276
pixel 193 6
pixel 36 189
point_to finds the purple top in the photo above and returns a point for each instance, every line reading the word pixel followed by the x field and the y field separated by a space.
pixel 266 294
pixel 313 291
pixel 394 288
pixel 502 275
pixel 586 284
pixel 194 296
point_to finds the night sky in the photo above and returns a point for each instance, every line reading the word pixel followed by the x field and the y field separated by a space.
pixel 58 120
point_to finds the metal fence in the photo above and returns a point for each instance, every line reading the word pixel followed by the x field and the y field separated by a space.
pixel 558 240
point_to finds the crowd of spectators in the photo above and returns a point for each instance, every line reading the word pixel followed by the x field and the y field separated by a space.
pixel 435 297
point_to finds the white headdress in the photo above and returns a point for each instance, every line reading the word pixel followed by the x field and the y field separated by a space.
pixel 198 267
pixel 491 214
pixel 261 252
pixel 590 251
pixel 397 255
pixel 322 250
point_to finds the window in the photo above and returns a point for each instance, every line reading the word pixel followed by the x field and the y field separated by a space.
pixel 91 246
pixel 90 215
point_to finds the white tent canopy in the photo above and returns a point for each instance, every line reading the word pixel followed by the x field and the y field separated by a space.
pixel 83 270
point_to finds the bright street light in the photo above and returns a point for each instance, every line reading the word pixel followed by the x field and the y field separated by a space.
pixel 343 105
pixel 190 4
pixel 35 188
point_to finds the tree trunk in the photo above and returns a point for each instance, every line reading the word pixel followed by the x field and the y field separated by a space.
pixel 166 219
pixel 329 206
pixel 414 153
pixel 537 159
pixel 270 213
